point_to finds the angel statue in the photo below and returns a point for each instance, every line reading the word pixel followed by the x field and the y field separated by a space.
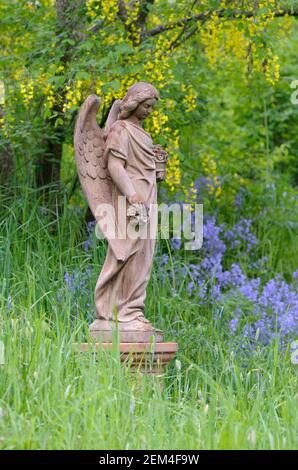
pixel 121 163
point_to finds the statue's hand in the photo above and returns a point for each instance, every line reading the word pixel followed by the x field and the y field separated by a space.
pixel 136 199
pixel 161 158
pixel 159 152
pixel 138 214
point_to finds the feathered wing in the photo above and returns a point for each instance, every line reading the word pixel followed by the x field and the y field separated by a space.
pixel 92 168
pixel 113 115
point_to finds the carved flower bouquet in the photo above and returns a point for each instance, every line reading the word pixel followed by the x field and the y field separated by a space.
pixel 161 159
pixel 138 214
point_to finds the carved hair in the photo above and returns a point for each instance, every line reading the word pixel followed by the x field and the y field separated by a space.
pixel 135 95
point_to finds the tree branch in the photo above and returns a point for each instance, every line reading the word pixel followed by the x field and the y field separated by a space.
pixel 237 14
pixel 122 11
pixel 187 26
pixel 184 38
pixel 139 23
pixel 143 14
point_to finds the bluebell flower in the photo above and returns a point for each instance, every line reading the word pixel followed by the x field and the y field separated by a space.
pixel 69 279
pixel 9 303
pixel 190 287
pixel 250 289
pixel 90 228
pixel 164 260
pixel 271 310
pixel 234 324
pixel 175 243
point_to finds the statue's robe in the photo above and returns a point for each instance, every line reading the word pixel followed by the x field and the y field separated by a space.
pixel 121 286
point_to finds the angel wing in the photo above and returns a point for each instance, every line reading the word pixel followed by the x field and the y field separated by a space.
pixel 92 168
pixel 113 115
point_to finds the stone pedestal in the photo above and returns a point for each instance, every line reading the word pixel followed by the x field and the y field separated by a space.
pixel 145 357
pixel 103 331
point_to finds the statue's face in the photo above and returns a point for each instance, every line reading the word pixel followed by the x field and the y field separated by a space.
pixel 144 108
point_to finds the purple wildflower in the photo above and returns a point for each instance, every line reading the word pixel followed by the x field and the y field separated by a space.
pixel 164 260
pixel 9 302
pixel 263 312
pixel 238 202
pixel 190 287
pixel 250 289
pixel 69 280
pixel 90 228
pixel 175 243
pixel 234 324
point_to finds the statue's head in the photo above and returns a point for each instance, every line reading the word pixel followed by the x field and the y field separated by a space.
pixel 139 100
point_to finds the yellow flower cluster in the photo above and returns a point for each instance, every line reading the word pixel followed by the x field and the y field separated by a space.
pixel 210 170
pixel 131 22
pixel 125 83
pixel 50 94
pixel 221 39
pixel 92 8
pixel 27 91
pixel 190 194
pixel 108 9
pixel 170 103
pixel 98 88
pixel 73 95
pixel 30 5
pixel 156 65
pixel 48 3
pixel 4 127
pixel 112 39
pixel 190 98
pixel 157 70
pixel 272 68
pixel 225 40
pixel 173 178
pixel 174 139
pixel 154 20
pixel 156 122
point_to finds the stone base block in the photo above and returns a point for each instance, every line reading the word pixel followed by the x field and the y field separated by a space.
pixel 149 358
pixel 104 331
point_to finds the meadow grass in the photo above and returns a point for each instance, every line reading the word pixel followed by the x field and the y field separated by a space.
pixel 215 395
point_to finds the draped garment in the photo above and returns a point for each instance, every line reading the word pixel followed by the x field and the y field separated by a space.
pixel 121 286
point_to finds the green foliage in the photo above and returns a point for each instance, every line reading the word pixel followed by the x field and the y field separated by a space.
pixel 218 77
pixel 225 116
pixel 215 396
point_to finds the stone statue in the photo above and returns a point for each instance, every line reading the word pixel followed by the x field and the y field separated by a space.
pixel 121 163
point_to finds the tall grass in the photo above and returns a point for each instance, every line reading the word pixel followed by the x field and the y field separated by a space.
pixel 215 396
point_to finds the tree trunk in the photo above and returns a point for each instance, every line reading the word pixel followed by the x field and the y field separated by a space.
pixel 69 24
pixel 48 166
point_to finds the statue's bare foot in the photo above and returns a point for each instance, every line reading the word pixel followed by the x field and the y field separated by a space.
pixel 147 324
pixel 135 330
pixel 139 324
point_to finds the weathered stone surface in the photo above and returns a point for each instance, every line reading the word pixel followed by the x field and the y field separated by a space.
pixel 121 162
pixel 150 358
pixel 126 332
